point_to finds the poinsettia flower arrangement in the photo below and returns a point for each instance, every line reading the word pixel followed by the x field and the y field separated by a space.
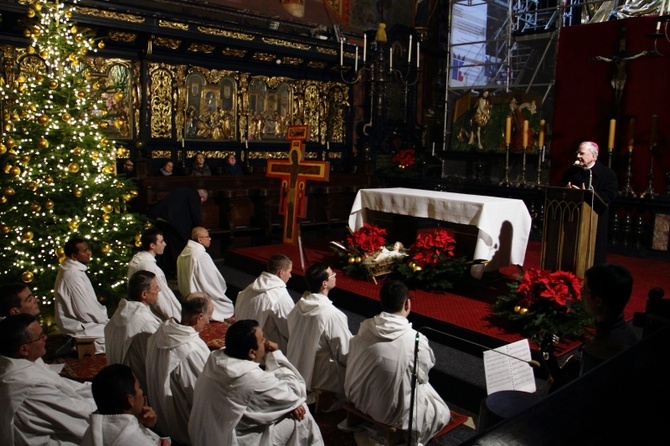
pixel 404 158
pixel 360 245
pixel 432 264
pixel 545 300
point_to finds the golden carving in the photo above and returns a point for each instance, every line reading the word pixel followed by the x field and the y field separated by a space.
pixel 265 57
pixel 32 64
pixel 110 15
pixel 270 102
pixel 323 50
pixel 286 43
pixel 226 33
pixel 160 100
pixel 267 155
pixel 137 94
pixel 120 36
pixel 318 65
pixel 161 154
pixel 173 44
pixel 201 48
pixel 173 25
pixel 234 52
pixel 293 60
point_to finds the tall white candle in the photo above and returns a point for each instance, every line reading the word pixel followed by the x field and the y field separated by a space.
pixel 327 145
pixel 356 61
pixel 246 145
pixel 418 45
pixel 390 58
pixel 365 47
pixel 341 52
pixel 409 50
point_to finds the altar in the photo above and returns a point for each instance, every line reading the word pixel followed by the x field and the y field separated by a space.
pixel 503 224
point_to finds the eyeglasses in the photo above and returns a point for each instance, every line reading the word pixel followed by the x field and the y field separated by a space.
pixel 39 338
pixel 332 275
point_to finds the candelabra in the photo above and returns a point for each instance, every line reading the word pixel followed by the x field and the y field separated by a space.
pixel 540 160
pixel 649 193
pixel 523 182
pixel 628 190
pixel 505 181
pixel 379 69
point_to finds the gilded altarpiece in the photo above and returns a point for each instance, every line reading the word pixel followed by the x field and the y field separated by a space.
pixel 198 104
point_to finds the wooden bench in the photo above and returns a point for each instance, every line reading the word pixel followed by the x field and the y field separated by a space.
pixel 392 434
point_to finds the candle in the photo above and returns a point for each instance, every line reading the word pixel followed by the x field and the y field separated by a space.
pixel 433 149
pixel 341 52
pixel 182 142
pixel 246 144
pixel 525 133
pixel 390 58
pixel 541 139
pixel 409 50
pixel 654 131
pixel 508 130
pixel 418 45
pixel 542 158
pixel 365 47
pixel 631 134
pixel 328 145
pixel 356 61
pixel 610 141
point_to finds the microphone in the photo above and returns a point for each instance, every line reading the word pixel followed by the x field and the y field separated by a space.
pixel 576 163
pixel 590 179
pixel 531 363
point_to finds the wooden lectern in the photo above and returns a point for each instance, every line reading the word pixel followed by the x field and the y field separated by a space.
pixel 569 232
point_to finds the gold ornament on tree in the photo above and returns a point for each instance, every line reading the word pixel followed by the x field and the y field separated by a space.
pixel 27 235
pixel 73 167
pixel 60 252
pixel 107 208
pixel 66 117
pixel 35 207
pixel 32 186
pixel 48 179
pixel 77 151
pixel 9 143
pixel 74 224
pixel 7 168
pixel 3 149
pixel 27 276
pixel 42 143
pixel 43 119
pixel 5 229
pixel 25 159
pixel 9 191
pixel 105 248
pixel 105 217
pixel 53 84
pixel 77 193
pixel 49 205
pixel 16 171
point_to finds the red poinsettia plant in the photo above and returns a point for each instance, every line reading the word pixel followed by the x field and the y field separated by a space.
pixel 545 300
pixel 432 264
pixel 367 239
pixel 405 158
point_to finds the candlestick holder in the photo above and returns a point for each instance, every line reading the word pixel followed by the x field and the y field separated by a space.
pixel 628 190
pixel 539 167
pixel 609 156
pixel 523 182
pixel 505 182
pixel 649 193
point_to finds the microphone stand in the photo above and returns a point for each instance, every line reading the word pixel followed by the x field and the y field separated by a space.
pixel 413 389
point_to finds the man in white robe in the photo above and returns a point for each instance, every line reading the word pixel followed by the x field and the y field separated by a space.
pixel 380 364
pixel 128 330
pixel 197 273
pixel 238 403
pixel 176 355
pixel 78 312
pixel 319 335
pixel 153 245
pixel 267 300
pixel 37 405
pixel 123 416
pixel 17 298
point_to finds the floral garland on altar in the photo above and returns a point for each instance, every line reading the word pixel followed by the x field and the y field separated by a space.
pixel 545 300
pixel 404 158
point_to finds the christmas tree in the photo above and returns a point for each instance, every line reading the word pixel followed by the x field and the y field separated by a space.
pixel 58 177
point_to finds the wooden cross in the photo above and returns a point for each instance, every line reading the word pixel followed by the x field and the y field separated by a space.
pixel 294 173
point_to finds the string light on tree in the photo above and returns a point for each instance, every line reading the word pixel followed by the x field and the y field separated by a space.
pixel 57 177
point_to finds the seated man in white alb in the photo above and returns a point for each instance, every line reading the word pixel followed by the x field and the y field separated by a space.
pixel 123 415
pixel 319 335
pixel 153 245
pixel 37 405
pixel 267 300
pixel 16 298
pixel 78 312
pixel 128 330
pixel 237 402
pixel 197 273
pixel 379 369
pixel 176 355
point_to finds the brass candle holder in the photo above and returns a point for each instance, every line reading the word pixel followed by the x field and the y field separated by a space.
pixel 505 181
pixel 628 190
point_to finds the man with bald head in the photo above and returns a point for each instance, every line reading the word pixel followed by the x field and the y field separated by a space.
pixel 589 173
pixel 176 355
pixel 196 272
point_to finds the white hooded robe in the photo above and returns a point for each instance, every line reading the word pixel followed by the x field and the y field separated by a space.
pixel 379 376
pixel 176 356
pixel 118 430
pixel 237 403
pixel 267 301
pixel 168 305
pixel 196 272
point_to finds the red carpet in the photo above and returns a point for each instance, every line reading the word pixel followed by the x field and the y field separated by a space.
pixel 470 309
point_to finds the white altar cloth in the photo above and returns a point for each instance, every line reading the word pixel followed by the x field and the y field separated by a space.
pixel 503 223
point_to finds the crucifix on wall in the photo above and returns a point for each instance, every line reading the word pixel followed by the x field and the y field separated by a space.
pixel 294 174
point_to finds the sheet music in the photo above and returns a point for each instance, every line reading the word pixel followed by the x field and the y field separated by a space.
pixel 505 373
